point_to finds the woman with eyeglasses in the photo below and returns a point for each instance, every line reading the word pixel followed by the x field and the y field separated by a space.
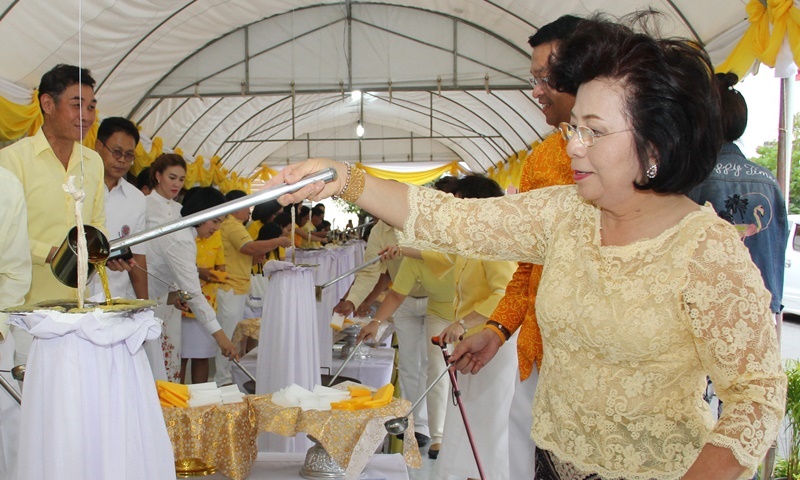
pixel 643 293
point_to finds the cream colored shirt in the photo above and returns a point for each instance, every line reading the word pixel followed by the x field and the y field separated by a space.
pixel 237 264
pixel 51 211
pixel 15 255
pixel 630 331
pixel 382 236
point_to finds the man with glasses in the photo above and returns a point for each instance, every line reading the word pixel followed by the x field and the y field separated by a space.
pixel 546 166
pixel 125 204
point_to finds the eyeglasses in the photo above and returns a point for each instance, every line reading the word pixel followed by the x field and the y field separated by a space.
pixel 586 135
pixel 117 154
pixel 536 81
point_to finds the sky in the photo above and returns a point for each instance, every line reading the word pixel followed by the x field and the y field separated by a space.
pixel 762 92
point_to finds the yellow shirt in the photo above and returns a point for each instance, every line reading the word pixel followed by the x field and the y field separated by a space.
pixel 51 211
pixel 237 264
pixel 479 284
pixel 209 254
pixel 440 289
pixel 308 228
pixel 630 331
pixel 254 228
pixel 382 236
pixel 15 260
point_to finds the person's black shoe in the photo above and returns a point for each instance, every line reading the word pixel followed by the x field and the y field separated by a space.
pixel 434 454
pixel 422 439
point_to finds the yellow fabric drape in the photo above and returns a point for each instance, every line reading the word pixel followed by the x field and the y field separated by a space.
pixel 509 171
pixel 758 42
pixel 17 120
pixel 415 178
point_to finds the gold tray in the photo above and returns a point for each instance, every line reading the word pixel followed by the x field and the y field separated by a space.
pixel 193 467
pixel 118 305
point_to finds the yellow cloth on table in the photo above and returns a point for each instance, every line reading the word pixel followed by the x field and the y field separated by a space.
pixel 224 436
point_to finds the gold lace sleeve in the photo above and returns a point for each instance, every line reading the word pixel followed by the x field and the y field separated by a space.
pixel 514 227
pixel 728 311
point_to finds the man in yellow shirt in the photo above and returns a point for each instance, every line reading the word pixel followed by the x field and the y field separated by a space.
pixel 43 163
pixel 240 250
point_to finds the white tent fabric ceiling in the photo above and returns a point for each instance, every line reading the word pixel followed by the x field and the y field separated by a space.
pixel 268 81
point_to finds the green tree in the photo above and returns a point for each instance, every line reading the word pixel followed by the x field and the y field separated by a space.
pixel 768 158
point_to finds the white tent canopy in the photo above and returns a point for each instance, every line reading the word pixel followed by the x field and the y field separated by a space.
pixel 266 82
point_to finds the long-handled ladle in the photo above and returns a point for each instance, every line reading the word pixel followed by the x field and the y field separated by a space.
pixel 398 425
pixel 182 294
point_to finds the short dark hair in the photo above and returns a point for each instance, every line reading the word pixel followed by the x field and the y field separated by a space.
pixel 269 231
pixel 112 125
pixel 263 211
pixel 555 31
pixel 198 199
pixel 234 194
pixel 733 107
pixel 317 210
pixel 143 179
pixel 62 76
pixel 163 162
pixel 283 219
pixel 670 96
pixel 478 186
pixel 303 211
pixel 446 184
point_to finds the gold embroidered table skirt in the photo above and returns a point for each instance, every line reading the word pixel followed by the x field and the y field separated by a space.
pixel 224 436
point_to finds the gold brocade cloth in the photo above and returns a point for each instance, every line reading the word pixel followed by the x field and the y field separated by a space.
pixel 224 436
pixel 247 328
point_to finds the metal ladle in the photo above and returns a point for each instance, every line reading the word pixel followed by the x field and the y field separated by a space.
pixel 249 375
pixel 398 425
pixel 182 294
pixel 64 264
pixel 319 288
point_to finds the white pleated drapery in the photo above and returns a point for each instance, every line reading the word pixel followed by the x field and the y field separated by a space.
pixel 90 410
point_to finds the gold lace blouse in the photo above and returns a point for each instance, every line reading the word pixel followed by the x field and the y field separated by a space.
pixel 630 332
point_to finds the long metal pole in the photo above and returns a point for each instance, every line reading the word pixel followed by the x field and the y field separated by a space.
pixel 224 209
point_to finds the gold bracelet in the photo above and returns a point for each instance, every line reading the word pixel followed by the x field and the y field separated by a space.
pixel 496 330
pixel 355 185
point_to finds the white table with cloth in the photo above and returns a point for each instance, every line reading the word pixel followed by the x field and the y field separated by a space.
pixel 90 410
pixel 286 466
pixel 288 344
pixel 373 371
pixel 326 262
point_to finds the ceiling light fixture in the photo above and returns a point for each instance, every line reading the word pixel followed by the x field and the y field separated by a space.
pixel 360 130
pixel 355 95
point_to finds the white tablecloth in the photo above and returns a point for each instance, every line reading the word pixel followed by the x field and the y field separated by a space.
pixel 286 466
pixel 324 272
pixel 288 345
pixel 375 371
pixel 90 410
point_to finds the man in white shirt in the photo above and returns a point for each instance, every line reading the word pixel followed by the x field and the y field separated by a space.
pixel 15 280
pixel 126 207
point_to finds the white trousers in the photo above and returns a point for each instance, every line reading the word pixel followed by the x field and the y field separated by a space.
pixel 409 324
pixel 9 414
pixel 520 422
pixel 440 393
pixel 230 311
